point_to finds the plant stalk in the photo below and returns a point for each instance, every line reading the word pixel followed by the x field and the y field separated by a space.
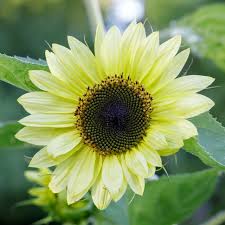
pixel 94 14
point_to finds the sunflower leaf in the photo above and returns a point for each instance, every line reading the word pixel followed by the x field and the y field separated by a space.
pixel 204 32
pixel 14 70
pixel 171 200
pixel 7 135
pixel 209 145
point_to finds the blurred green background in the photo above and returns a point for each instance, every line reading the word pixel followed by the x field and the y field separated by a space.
pixel 26 29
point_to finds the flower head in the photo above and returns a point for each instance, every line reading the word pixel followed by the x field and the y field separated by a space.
pixel 106 119
pixel 55 204
pixel 42 195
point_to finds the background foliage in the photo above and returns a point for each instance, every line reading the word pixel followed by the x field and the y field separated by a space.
pixel 26 28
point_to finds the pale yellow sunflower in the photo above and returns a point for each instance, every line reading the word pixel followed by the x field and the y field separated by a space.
pixel 42 195
pixel 106 118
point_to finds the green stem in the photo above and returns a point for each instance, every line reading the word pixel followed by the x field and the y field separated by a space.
pixel 218 219
pixel 94 14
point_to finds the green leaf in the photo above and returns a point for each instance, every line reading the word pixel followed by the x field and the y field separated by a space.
pixel 7 135
pixel 204 31
pixel 14 70
pixel 209 146
pixel 171 200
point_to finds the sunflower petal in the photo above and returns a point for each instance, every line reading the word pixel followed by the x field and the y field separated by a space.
pixel 49 120
pixel 193 105
pixel 182 108
pixel 64 74
pixel 56 67
pixel 61 175
pixel 82 174
pixel 151 171
pixel 166 53
pixel 39 135
pixel 186 85
pixel 167 152
pixel 155 139
pixel 173 136
pixel 100 195
pixel 84 58
pixel 170 46
pixel 112 174
pixel 64 143
pixel 42 159
pixel 75 74
pixel 174 69
pixel 118 195
pixel 177 65
pixel 147 56
pixel 136 163
pixel 131 40
pixel 136 183
pixel 44 102
pixel 151 156
pixel 46 82
pixel 110 51
pixel 185 128
pixel 74 198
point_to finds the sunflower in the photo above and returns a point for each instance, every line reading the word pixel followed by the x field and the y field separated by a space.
pixel 105 119
pixel 55 204
pixel 41 194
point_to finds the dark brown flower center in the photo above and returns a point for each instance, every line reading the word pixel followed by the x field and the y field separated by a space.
pixel 113 116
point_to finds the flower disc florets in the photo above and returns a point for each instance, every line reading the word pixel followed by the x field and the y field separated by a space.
pixel 113 115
